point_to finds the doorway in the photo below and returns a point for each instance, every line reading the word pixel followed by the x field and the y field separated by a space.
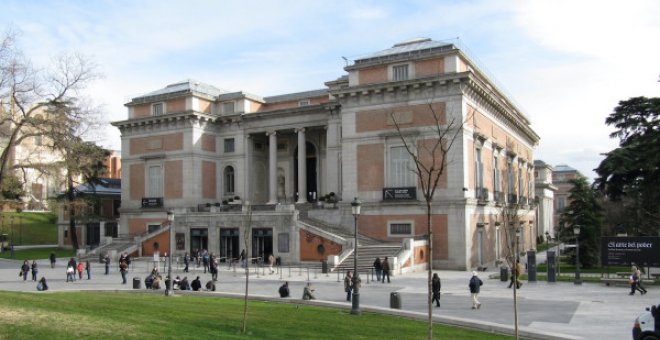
pixel 229 243
pixel 199 239
pixel 310 165
pixel 93 235
pixel 262 242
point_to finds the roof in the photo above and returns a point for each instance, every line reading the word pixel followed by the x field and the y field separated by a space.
pixel 416 45
pixel 109 186
pixel 185 86
pixel 297 95
pixel 563 168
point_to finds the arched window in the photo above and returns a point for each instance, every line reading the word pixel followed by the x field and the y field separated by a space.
pixel 229 181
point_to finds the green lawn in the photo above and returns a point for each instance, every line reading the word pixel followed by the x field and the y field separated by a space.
pixel 148 316
pixel 38 254
pixel 29 227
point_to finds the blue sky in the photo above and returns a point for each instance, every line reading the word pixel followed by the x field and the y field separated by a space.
pixel 566 63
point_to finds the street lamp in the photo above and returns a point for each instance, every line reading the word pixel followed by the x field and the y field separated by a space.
pixel 355 209
pixel 576 231
pixel 169 289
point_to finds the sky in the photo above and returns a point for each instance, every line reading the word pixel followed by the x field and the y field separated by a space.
pixel 565 63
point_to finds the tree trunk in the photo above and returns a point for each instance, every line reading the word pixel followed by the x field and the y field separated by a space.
pixel 72 212
pixel 430 269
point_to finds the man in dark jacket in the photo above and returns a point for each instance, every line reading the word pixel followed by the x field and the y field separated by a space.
pixel 196 284
pixel 435 287
pixel 475 286
pixel 284 290
pixel 386 269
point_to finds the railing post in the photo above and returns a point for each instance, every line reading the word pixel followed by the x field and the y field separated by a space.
pixel 307 273
pixel 315 271
pixel 338 280
pixel 367 277
pixel 289 270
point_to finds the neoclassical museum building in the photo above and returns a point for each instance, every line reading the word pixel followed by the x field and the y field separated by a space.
pixel 205 168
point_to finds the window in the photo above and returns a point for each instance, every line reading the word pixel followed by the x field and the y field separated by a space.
pixel 400 174
pixel 509 177
pixel 304 102
pixel 400 72
pixel 496 174
pixel 228 108
pixel 400 229
pixel 155 181
pixel 561 203
pixel 153 227
pixel 530 185
pixel 229 145
pixel 478 169
pixel 229 181
pixel 521 185
pixel 157 109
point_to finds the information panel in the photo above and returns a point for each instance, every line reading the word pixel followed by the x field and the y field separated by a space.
pixel 393 194
pixel 643 251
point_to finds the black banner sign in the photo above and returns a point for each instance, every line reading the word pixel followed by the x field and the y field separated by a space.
pixel 152 202
pixel 394 194
pixel 643 251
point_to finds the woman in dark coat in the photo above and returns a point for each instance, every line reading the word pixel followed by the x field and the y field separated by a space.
pixel 435 287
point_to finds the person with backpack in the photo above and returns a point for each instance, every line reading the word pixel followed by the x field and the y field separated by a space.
pixel 284 290
pixel 348 285
pixel 475 286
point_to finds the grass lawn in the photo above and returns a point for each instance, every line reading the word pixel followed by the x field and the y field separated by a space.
pixel 148 316
pixel 38 254
pixel 30 227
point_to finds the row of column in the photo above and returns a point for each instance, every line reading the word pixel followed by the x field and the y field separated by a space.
pixel 272 166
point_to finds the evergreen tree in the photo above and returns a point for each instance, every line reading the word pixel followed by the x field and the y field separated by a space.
pixel 584 211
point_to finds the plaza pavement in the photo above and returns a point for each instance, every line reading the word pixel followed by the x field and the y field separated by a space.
pixel 559 310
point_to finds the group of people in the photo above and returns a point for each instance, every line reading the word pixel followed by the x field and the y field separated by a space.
pixel 72 267
pixel 636 281
pixel 308 291
pixel 382 269
pixel 26 268
pixel 208 260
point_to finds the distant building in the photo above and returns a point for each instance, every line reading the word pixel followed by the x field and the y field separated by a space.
pixel 545 198
pixel 561 175
pixel 201 153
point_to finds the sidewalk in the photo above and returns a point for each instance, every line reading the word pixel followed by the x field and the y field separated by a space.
pixel 546 310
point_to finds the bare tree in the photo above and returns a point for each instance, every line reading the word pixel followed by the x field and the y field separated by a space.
pixel 247 226
pixel 429 152
pixel 31 102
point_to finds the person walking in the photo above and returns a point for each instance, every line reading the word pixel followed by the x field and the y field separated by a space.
pixel 81 267
pixel 70 273
pixel 25 269
pixel 35 270
pixel 106 261
pixel 378 268
pixel 386 269
pixel 213 267
pixel 638 274
pixel 516 272
pixel 271 262
pixel 634 282
pixel 52 259
pixel 72 264
pixel 186 261
pixel 123 269
pixel 475 286
pixel 205 260
pixel 348 285
pixel 88 269
pixel 435 288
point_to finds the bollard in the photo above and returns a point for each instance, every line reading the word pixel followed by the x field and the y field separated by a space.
pixel 395 300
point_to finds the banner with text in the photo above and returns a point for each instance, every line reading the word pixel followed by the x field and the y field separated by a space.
pixel 643 251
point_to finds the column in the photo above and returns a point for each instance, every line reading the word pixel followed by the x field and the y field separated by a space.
pixel 302 166
pixel 272 167
pixel 246 177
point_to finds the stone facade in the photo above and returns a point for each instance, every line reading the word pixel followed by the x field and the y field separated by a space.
pixel 190 145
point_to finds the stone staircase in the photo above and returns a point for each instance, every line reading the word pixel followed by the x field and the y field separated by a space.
pixel 341 231
pixel 119 245
pixel 367 254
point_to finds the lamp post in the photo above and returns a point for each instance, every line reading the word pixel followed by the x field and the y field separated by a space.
pixel 169 289
pixel 576 231
pixel 355 209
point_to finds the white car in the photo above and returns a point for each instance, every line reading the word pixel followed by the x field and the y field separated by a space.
pixel 647 325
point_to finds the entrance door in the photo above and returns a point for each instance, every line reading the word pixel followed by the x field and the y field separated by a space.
pixel 229 243
pixel 262 242
pixel 199 239
pixel 311 166
pixel 93 235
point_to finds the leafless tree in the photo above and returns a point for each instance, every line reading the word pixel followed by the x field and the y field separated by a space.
pixel 429 151
pixel 42 103
pixel 247 226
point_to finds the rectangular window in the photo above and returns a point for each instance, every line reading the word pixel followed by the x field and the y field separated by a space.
pixel 561 204
pixel 228 108
pixel 155 181
pixel 509 177
pixel 400 168
pixel 229 145
pixel 400 229
pixel 496 174
pixel 478 169
pixel 157 109
pixel 304 102
pixel 152 227
pixel 521 183
pixel 400 72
